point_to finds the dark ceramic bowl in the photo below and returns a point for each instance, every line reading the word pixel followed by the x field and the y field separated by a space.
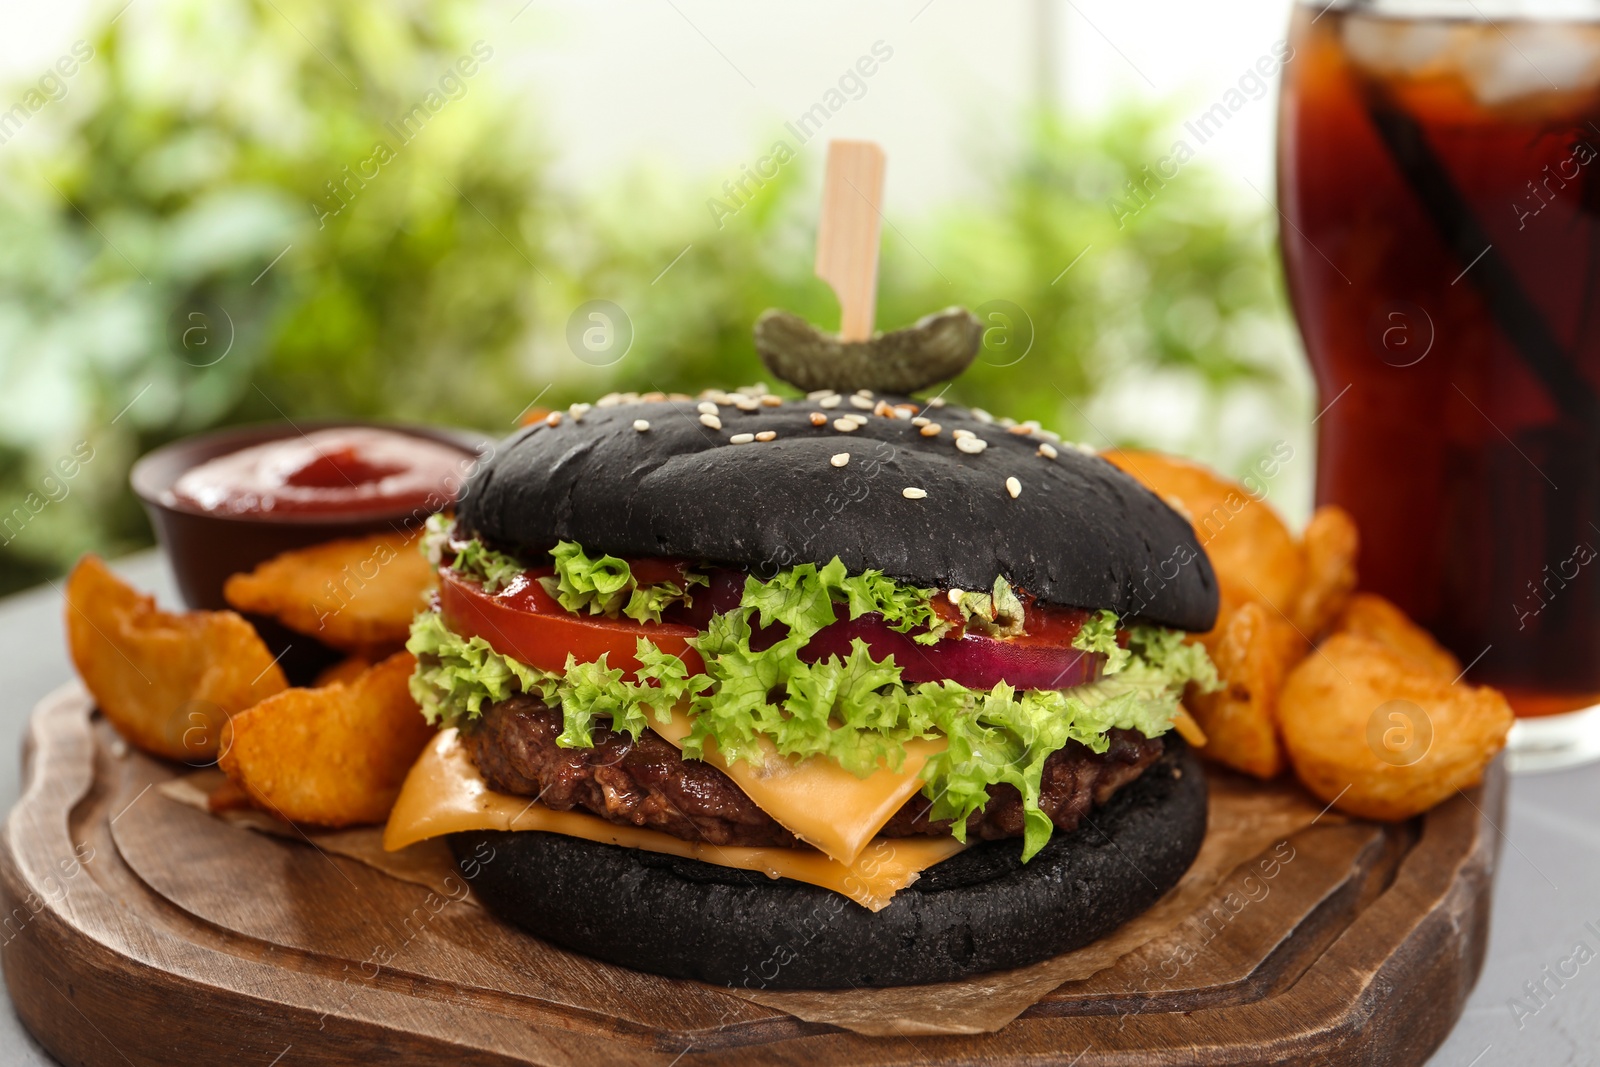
pixel 204 549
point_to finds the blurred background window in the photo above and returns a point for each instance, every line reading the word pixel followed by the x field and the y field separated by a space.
pixel 226 211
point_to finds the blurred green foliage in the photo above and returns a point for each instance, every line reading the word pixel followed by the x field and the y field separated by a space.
pixel 327 196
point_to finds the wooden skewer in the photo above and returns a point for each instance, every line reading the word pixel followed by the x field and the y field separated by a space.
pixel 847 237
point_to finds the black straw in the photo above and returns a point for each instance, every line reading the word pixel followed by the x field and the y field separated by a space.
pixel 1489 273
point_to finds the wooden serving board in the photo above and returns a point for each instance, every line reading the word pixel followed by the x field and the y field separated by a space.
pixel 141 931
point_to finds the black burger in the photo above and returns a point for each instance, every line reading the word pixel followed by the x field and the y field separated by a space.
pixel 840 691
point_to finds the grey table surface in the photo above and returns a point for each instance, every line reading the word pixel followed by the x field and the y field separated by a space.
pixel 1548 888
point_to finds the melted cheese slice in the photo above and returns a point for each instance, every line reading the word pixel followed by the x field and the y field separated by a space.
pixel 444 794
pixel 815 799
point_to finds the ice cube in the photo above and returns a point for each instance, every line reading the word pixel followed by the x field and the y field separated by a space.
pixel 1514 60
pixel 1500 61
pixel 1398 46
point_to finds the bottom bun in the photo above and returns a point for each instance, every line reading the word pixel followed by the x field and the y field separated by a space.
pixel 981 910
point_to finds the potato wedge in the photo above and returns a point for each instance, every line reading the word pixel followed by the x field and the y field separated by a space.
pixel 1330 544
pixel 356 595
pixel 1254 648
pixel 334 756
pixel 168 682
pixel 1375 735
pixel 1370 615
pixel 1253 552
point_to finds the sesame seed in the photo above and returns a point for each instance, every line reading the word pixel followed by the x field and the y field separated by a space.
pixel 1049 435
pixel 931 430
pixel 1048 450
pixel 845 425
pixel 578 411
pixel 971 445
pixel 767 435
pixel 959 434
pixel 859 420
pixel 1033 424
pixel 745 403
pixel 859 401
pixel 936 402
pixel 883 409
pixel 864 392
pixel 954 596
pixel 904 411
pixel 706 407
pixel 679 397
pixel 831 401
pixel 741 438
pixel 641 425
pixel 1014 487
pixel 654 397
pixel 711 422
pixel 1086 449
pixel 818 419
pixel 1007 421
pixel 911 492
pixel 840 459
pixel 770 401
pixel 920 421
pixel 818 394
pixel 610 400
pixel 553 419
pixel 982 415
pixel 1021 429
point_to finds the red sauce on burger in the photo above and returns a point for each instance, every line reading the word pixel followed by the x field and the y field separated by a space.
pixel 352 469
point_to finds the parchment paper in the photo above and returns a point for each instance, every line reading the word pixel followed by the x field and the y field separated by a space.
pixel 427 863
pixel 1245 819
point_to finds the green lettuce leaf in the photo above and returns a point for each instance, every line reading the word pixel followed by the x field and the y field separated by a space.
pixel 857 712
pixel 1173 655
pixel 493 570
pixel 456 677
pixel 588 691
pixel 1099 634
pixel 802 598
pixel 604 585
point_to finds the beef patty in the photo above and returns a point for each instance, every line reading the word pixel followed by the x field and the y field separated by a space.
pixel 648 783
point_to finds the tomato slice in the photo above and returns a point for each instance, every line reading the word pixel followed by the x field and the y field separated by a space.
pixel 526 623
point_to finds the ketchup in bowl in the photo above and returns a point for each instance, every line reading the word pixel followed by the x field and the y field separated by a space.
pixel 221 502
pixel 337 470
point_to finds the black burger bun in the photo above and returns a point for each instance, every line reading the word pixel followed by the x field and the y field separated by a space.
pixel 1079 533
pixel 982 910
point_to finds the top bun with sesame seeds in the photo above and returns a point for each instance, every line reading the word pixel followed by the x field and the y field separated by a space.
pixel 938 495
